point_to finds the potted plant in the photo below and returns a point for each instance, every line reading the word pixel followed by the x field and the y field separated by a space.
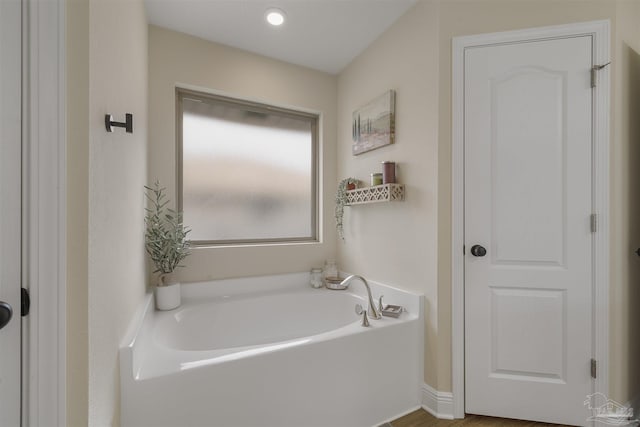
pixel 341 201
pixel 166 243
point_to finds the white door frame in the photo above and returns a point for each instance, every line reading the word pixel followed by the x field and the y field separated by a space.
pixel 600 32
pixel 44 213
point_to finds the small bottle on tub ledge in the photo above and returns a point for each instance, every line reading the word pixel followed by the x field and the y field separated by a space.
pixel 315 280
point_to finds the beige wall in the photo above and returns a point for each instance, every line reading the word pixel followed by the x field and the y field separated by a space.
pixel 117 173
pixel 397 243
pixel 625 209
pixel 77 97
pixel 176 58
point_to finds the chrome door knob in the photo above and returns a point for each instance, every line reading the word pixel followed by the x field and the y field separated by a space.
pixel 5 314
pixel 477 250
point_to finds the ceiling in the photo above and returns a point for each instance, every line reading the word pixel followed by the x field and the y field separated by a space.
pixel 322 34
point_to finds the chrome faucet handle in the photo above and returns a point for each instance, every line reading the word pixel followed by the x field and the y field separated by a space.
pixel 374 313
pixel 363 312
pixel 380 304
pixel 365 319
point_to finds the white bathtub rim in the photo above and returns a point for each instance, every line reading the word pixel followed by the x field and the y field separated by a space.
pixel 269 283
pixel 288 280
pixel 139 348
pixel 137 322
pixel 153 360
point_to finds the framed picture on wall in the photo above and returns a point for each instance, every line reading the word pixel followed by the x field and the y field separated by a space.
pixel 374 124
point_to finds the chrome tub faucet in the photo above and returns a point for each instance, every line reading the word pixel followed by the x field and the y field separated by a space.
pixel 373 311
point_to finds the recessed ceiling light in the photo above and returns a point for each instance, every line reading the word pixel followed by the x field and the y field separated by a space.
pixel 275 16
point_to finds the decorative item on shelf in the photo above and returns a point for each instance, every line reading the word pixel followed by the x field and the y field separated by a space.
pixel 315 279
pixel 374 125
pixel 378 193
pixel 388 172
pixel 166 243
pixel 109 123
pixel 341 202
pixel 376 179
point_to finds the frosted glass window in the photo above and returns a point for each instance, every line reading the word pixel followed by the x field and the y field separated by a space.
pixel 248 171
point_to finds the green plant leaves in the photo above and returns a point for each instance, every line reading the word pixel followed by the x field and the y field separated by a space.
pixel 341 201
pixel 165 234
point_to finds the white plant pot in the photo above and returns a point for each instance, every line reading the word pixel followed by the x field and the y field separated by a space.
pixel 168 296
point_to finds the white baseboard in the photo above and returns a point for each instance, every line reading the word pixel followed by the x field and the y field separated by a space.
pixel 437 403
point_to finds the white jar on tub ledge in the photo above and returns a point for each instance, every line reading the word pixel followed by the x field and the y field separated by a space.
pixel 315 278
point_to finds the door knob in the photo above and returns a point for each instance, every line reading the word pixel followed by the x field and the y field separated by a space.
pixel 5 314
pixel 477 250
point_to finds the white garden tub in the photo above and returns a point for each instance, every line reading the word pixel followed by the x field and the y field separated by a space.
pixel 271 351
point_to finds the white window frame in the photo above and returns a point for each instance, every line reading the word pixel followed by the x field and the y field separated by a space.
pixel 266 107
pixel 600 31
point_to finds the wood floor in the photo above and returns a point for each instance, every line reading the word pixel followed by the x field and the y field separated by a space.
pixel 422 418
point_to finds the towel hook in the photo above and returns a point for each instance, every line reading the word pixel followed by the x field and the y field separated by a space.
pixel 109 123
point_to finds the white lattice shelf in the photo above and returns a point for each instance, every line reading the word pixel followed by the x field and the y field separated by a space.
pixel 376 194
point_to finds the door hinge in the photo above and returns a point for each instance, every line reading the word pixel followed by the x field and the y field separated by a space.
pixel 594 73
pixel 464 249
pixel 25 302
pixel 594 223
pixel 594 368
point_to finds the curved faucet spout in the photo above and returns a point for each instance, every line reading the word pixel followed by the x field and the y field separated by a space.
pixel 373 311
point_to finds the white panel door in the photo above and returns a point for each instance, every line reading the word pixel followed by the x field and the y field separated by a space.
pixel 528 299
pixel 10 209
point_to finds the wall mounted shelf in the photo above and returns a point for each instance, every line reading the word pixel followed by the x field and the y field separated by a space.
pixel 376 194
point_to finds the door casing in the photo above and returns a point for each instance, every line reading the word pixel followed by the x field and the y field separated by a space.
pixel 11 209
pixel 44 209
pixel 600 32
